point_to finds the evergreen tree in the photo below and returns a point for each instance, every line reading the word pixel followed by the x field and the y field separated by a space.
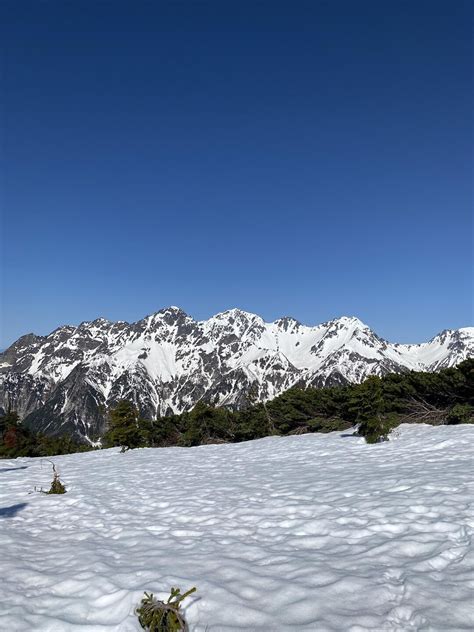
pixel 367 405
pixel 124 427
pixel 206 424
pixel 460 414
pixel 366 399
pixel 9 420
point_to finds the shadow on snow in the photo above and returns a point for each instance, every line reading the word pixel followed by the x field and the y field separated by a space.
pixel 10 512
pixel 12 469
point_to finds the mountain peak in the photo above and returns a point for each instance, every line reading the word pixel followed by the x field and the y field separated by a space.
pixel 235 313
pixel 167 362
pixel 287 322
pixel 347 322
pixel 172 309
pixel 168 314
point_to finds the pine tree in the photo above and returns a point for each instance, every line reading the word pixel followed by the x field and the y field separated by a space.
pixel 367 404
pixel 9 420
pixel 204 424
pixel 124 426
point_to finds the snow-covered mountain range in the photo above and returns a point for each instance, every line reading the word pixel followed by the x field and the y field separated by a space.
pixel 64 382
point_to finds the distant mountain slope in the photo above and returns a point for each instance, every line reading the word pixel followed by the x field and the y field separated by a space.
pixel 166 362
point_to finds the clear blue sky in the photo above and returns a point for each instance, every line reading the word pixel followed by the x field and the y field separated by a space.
pixel 311 159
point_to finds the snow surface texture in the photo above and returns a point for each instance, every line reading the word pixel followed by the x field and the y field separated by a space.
pixel 167 362
pixel 311 532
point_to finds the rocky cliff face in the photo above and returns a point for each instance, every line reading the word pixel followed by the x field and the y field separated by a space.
pixel 165 363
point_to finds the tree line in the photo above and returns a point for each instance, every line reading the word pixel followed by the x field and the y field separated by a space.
pixel 374 407
pixel 19 440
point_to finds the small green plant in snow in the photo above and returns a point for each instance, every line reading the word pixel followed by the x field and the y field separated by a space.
pixel 155 615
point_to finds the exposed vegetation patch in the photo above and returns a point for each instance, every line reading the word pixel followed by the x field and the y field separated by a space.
pixel 155 615
pixel 57 487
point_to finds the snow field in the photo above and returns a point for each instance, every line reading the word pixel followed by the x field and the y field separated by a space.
pixel 312 532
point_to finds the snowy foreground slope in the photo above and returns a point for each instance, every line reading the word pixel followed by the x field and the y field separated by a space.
pixel 311 532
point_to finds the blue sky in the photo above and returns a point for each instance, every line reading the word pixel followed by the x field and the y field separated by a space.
pixel 311 159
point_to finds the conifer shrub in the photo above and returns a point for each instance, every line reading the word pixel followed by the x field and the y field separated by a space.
pixel 155 615
pixel 377 429
pixel 323 424
pixel 460 414
pixel 207 424
pixel 17 440
pixel 57 487
pixel 373 430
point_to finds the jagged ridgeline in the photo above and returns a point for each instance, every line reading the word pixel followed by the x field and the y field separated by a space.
pixel 65 383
